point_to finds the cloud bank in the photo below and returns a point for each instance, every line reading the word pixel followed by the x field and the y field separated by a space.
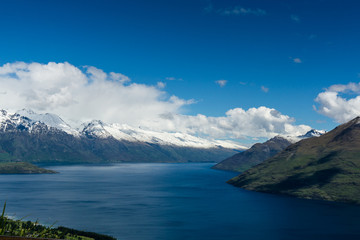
pixel 87 93
pixel 340 102
pixel 236 124
pixel 82 94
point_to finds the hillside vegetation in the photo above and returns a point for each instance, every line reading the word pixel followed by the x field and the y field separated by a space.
pixel 326 168
pixel 21 168
pixel 20 228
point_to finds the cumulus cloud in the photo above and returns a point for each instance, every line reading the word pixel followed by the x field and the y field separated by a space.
pixel 236 124
pixel 334 104
pixel 82 94
pixel 87 93
pixel 221 83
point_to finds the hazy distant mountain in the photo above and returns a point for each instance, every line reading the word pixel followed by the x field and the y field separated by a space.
pixel 256 154
pixel 325 167
pixel 33 137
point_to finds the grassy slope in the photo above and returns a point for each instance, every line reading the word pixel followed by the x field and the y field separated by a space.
pixel 21 167
pixel 326 168
pixel 20 228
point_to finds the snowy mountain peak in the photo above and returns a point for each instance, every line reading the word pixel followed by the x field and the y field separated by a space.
pixel 94 129
pixel 49 119
pixel 309 134
pixel 313 133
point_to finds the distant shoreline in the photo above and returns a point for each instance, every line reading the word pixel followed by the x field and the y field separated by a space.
pixel 22 168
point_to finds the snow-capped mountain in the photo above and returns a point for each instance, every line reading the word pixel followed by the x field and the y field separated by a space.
pixel 51 120
pixel 313 133
pixel 26 119
pixel 15 122
pixel 32 137
pixel 123 132
pixel 309 134
pixel 46 137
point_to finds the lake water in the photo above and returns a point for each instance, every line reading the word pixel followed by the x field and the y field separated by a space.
pixel 170 201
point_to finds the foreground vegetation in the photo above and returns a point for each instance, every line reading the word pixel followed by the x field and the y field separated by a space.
pixel 10 227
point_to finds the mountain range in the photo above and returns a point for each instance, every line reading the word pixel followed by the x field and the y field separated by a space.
pixel 325 167
pixel 259 152
pixel 31 137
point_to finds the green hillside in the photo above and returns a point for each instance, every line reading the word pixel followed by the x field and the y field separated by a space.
pixel 327 168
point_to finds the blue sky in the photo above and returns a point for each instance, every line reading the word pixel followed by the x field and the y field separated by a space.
pixel 277 54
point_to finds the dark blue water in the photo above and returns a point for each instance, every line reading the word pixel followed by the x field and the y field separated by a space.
pixel 170 201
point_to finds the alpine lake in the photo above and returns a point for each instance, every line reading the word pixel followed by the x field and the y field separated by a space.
pixel 170 202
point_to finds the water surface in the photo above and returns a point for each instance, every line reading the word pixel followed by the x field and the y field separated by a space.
pixel 170 201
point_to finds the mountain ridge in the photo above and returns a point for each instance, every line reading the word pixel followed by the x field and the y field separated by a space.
pixel 259 152
pixel 98 128
pixel 256 154
pixel 25 139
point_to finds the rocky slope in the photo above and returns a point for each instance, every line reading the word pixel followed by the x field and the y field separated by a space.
pixel 326 167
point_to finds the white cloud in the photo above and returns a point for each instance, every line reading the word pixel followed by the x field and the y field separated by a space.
pixel 82 94
pixel 161 85
pixel 295 18
pixel 264 89
pixel 337 107
pixel 236 124
pixel 297 60
pixel 221 83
